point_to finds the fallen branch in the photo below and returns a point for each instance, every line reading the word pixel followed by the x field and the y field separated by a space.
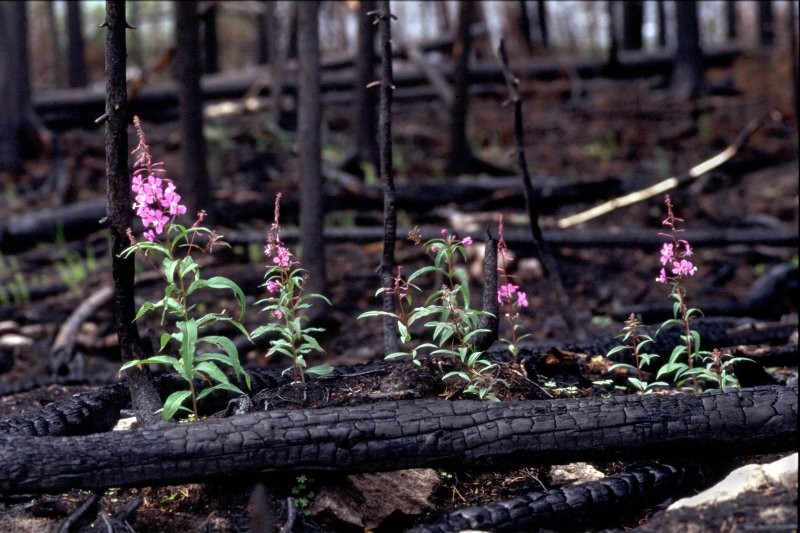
pixel 672 182
pixel 63 347
pixel 394 435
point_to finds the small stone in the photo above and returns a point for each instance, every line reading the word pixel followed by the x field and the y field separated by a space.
pixel 574 473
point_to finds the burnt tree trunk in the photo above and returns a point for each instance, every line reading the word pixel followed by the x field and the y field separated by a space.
pixel 366 97
pixel 632 19
pixel 407 434
pixel 661 23
pixel 196 188
pixel 766 32
pixel 387 266
pixel 210 43
pixel 266 33
pixel 731 27
pixel 15 88
pixel 582 506
pixel 56 67
pixel 541 18
pixel 613 39
pixel 309 119
pixel 460 153
pixel 688 75
pixel 144 397
pixel 76 62
pixel 792 29
pixel 524 25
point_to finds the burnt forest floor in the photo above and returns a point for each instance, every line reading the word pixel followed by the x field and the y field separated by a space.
pixel 631 130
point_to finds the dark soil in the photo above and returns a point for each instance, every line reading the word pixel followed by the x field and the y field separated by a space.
pixel 627 129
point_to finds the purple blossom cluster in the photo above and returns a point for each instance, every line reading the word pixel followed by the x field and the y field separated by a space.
pixel 506 294
pixel 674 254
pixel 155 200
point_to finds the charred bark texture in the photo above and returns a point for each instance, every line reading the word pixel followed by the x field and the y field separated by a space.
pixel 15 88
pixel 387 266
pixel 460 154
pixel 404 434
pixel 490 320
pixel 366 100
pixel 309 120
pixel 602 503
pixel 76 63
pixel 84 413
pixel 688 74
pixel 145 399
pixel 188 69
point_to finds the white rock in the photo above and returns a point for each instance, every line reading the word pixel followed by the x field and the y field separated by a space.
pixel 749 477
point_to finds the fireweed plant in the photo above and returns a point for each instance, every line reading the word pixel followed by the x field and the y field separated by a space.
pixel 284 280
pixel 157 205
pixel 636 341
pixel 510 297
pixel 681 368
pixel 450 319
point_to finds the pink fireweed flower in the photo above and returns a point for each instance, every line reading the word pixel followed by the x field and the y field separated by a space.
pixel 466 241
pixel 283 257
pixel 683 268
pixel 522 299
pixel 676 252
pixel 154 198
pixel 444 232
pixel 505 292
pixel 434 248
pixel 273 286
pixel 277 313
pixel 667 253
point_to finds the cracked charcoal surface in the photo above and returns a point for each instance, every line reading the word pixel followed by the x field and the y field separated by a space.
pixel 402 434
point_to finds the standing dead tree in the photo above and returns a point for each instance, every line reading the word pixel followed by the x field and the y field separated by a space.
pixel 16 114
pixel 188 69
pixel 144 397
pixel 549 265
pixel 460 154
pixel 309 118
pixel 390 331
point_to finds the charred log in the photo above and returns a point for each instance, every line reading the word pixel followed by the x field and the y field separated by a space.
pixel 602 503
pixel 395 435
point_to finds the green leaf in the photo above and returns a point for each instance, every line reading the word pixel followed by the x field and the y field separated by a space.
pixel 188 340
pixel 468 337
pixel 368 314
pixel 622 365
pixel 225 343
pixel 402 329
pixel 421 272
pixel 210 369
pixel 220 282
pixel 421 312
pixel 617 349
pixel 463 285
pixel 230 387
pixel 638 384
pixel 144 309
pixel 461 375
pixel 173 403
pixel 169 269
pixel 319 370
